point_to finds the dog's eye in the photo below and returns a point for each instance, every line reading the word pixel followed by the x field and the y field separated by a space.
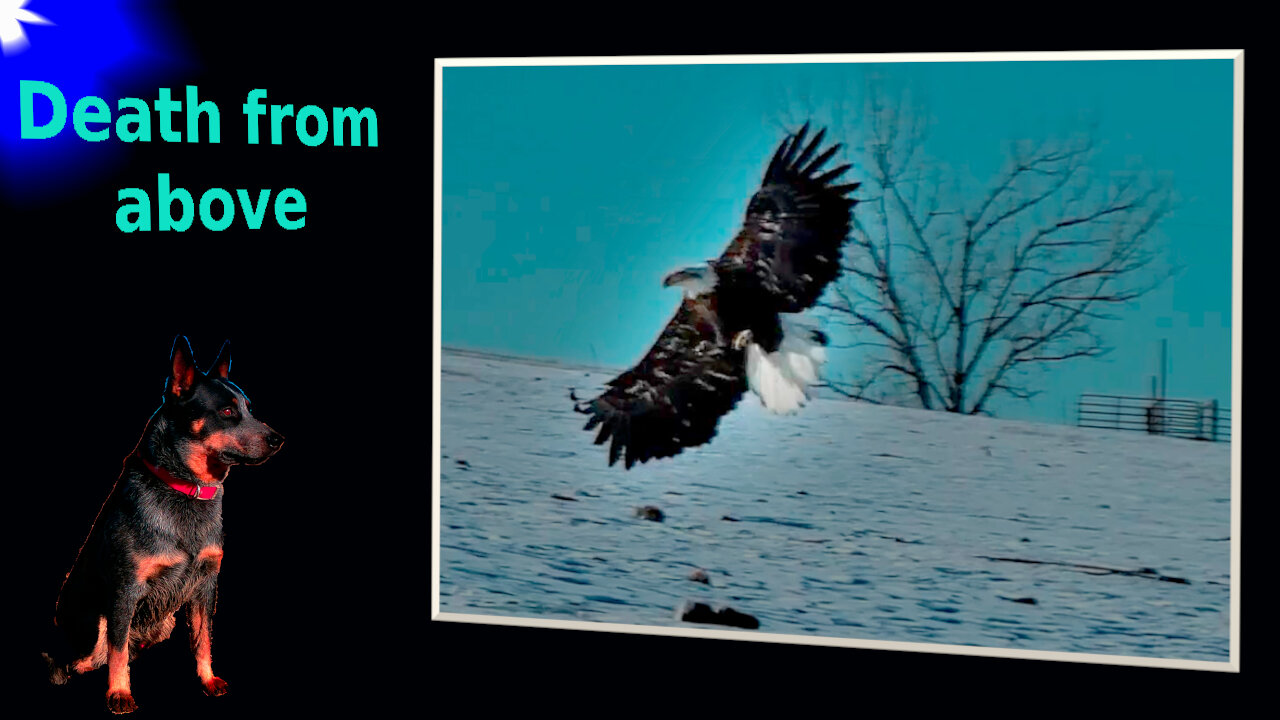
pixel 228 412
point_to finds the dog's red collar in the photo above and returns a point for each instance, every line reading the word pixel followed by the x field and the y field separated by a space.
pixel 191 490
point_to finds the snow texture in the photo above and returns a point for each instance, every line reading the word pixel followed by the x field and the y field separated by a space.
pixel 845 520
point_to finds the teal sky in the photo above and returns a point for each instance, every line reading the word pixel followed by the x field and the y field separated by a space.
pixel 569 192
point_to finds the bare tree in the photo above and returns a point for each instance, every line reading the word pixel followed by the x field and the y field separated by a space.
pixel 953 294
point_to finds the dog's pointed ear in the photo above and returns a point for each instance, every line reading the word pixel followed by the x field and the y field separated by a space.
pixel 183 362
pixel 222 366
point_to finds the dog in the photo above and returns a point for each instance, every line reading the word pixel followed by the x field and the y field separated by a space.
pixel 156 545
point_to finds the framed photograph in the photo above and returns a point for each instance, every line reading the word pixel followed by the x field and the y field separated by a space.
pixel 926 352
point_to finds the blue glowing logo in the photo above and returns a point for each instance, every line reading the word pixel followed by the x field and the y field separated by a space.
pixel 13 39
pixel 106 48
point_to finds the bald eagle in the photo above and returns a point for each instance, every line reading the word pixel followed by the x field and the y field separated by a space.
pixel 737 327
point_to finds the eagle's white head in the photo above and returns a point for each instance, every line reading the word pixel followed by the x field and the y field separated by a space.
pixel 696 280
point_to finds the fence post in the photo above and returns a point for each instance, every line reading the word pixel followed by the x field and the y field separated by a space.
pixel 1213 418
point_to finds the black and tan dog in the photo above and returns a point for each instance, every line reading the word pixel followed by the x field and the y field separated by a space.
pixel 156 546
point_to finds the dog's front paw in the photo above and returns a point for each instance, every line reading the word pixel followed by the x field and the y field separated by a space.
pixel 215 686
pixel 120 702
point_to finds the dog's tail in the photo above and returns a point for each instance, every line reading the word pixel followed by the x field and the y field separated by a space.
pixel 58 674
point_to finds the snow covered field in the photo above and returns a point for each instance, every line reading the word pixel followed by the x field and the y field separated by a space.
pixel 847 520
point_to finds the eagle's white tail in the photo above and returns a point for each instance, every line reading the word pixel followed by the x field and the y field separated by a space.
pixel 781 377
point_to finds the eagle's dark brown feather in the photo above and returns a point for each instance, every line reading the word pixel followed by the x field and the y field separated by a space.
pixel 675 396
pixel 795 228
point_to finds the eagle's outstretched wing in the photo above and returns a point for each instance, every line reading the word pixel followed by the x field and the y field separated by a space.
pixel 796 224
pixel 675 396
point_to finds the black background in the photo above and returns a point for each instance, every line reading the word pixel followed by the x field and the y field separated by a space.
pixel 324 596
pixel 324 599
